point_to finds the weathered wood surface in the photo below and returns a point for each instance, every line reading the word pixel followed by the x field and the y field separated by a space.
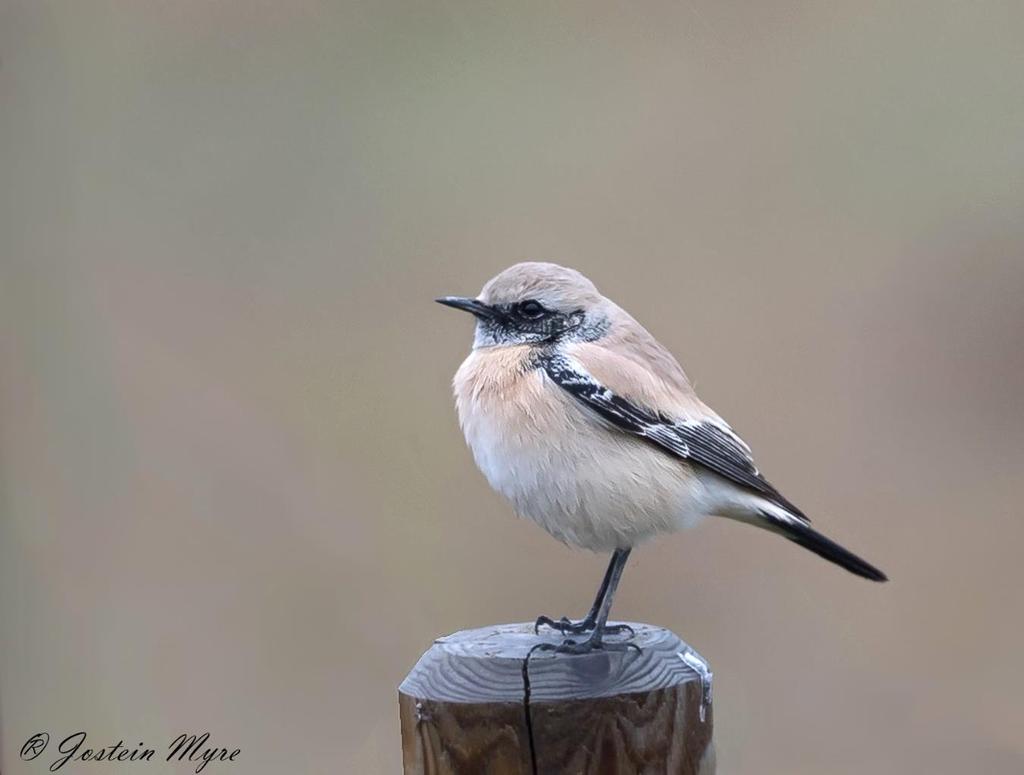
pixel 469 708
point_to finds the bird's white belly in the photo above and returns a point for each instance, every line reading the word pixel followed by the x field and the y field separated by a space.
pixel 587 485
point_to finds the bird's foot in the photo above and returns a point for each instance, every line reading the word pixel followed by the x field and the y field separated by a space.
pixel 568 627
pixel 595 642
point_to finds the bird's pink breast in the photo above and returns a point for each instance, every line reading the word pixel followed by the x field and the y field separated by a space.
pixel 586 484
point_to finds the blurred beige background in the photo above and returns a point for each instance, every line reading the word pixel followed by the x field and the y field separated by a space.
pixel 234 495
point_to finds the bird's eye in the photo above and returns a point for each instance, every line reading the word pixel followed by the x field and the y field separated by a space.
pixel 531 309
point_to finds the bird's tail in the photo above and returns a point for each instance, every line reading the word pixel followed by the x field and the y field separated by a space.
pixel 794 525
pixel 809 538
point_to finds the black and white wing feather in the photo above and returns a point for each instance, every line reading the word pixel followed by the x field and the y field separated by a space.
pixel 708 443
pixel 711 444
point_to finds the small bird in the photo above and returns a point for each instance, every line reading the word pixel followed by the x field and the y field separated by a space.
pixel 589 426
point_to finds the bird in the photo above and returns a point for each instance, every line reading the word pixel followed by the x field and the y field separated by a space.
pixel 589 427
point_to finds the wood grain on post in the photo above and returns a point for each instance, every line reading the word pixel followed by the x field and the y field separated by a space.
pixel 476 704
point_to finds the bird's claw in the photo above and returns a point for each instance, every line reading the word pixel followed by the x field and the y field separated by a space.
pixel 563 625
pixel 591 644
pixel 568 627
pixel 618 629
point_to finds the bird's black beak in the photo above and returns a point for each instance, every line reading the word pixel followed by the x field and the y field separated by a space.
pixel 475 306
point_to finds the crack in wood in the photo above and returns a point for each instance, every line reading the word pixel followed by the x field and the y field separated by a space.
pixel 526 710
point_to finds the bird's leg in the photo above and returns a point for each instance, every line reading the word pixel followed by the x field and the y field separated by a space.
pixel 567 626
pixel 596 640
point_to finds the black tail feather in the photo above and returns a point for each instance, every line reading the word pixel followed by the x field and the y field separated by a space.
pixel 811 539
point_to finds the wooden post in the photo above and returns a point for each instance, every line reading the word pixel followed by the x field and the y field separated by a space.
pixel 477 703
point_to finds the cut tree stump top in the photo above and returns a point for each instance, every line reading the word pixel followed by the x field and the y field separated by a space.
pixel 486 665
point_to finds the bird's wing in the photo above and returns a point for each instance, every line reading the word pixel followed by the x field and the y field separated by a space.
pixel 705 439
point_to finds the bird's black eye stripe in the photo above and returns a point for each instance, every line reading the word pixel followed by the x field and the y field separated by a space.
pixel 530 309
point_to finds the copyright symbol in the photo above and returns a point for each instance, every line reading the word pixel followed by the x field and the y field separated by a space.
pixel 35 745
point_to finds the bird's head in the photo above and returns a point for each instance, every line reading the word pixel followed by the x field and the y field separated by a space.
pixel 535 303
